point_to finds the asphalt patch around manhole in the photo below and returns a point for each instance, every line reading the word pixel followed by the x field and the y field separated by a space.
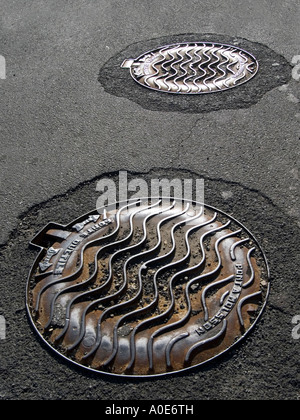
pixel 274 71
pixel 265 366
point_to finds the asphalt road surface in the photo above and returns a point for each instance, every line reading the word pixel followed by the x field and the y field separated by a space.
pixel 70 116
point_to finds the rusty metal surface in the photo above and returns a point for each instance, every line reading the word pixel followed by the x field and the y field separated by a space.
pixel 193 68
pixel 148 288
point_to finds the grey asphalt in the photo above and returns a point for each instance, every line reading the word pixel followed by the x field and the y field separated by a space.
pixel 62 129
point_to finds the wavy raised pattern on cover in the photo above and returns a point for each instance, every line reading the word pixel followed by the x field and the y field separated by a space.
pixel 185 271
pixel 136 297
pixel 101 250
pixel 73 276
pixel 119 293
pixel 193 68
pixel 202 343
pixel 68 278
pixel 89 279
pixel 197 216
pixel 242 302
pixel 154 289
pixel 196 279
pixel 249 283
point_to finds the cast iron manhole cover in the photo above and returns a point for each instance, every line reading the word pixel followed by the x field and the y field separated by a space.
pixel 146 288
pixel 193 68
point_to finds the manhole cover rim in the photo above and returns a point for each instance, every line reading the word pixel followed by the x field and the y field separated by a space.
pixel 71 362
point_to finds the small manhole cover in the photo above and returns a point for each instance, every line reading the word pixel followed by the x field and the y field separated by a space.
pixel 146 288
pixel 193 68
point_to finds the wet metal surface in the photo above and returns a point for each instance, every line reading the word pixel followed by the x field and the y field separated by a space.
pixel 146 288
pixel 193 68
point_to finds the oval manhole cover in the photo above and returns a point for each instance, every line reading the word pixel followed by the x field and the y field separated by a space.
pixel 193 68
pixel 146 288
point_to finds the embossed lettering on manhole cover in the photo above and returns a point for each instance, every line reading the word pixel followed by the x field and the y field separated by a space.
pixel 193 68
pixel 146 288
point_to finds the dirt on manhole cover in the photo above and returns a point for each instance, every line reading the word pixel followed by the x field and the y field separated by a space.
pixel 146 287
pixel 193 68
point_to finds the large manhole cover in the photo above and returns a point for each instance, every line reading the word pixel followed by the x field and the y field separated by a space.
pixel 146 287
pixel 193 68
